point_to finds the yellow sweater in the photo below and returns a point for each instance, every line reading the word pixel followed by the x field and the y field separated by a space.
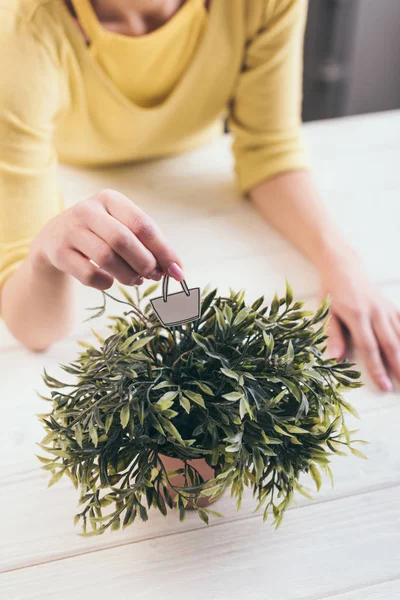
pixel 60 102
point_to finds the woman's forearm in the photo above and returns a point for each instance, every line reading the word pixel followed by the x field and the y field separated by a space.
pixel 37 303
pixel 291 204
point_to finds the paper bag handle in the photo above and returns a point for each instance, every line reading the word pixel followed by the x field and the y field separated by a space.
pixel 165 287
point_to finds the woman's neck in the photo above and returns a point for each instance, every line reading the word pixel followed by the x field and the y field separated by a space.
pixel 135 17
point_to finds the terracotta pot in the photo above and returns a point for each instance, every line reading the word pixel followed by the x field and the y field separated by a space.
pixel 207 472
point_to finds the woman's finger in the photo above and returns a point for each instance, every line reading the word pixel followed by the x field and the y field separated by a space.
pixel 395 322
pixel 366 342
pixel 336 343
pixel 146 230
pixel 123 241
pixel 104 256
pixel 388 340
pixel 73 262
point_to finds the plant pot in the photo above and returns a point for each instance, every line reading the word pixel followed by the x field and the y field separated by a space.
pixel 172 464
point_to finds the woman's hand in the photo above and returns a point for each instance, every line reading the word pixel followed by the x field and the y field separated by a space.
pixel 372 321
pixel 124 243
pixel 112 231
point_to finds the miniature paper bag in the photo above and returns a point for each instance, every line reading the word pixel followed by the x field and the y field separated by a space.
pixel 177 308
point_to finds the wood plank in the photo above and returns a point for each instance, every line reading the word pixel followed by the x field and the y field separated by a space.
pixel 389 590
pixel 327 548
pixel 45 531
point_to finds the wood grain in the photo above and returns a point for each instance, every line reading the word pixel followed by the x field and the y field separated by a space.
pixel 321 549
pixel 389 590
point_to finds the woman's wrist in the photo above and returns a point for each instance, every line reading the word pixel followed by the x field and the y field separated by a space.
pixel 38 263
pixel 336 254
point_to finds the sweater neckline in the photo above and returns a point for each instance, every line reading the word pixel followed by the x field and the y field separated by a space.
pixel 97 31
pixel 183 83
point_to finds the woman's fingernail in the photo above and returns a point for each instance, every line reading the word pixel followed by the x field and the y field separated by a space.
pixel 175 271
pixel 156 274
pixel 386 384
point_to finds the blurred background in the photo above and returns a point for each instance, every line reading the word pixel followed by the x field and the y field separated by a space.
pixel 351 58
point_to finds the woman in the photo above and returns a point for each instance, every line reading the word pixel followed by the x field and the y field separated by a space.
pixel 93 82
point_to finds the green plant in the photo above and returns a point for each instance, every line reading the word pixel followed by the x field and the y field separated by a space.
pixel 245 387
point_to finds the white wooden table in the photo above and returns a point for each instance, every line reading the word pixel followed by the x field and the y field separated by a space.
pixel 343 545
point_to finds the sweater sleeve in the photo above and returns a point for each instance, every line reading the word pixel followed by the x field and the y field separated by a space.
pixel 265 113
pixel 29 101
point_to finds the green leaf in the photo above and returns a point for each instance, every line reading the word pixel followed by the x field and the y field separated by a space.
pixel 78 434
pixel 279 397
pixel 195 397
pixel 170 428
pixel 93 433
pixel 315 474
pixel 258 464
pixel 214 512
pixel 350 408
pixel 269 341
pixel 290 352
pixel 152 288
pixel 169 413
pixel 314 375
pixel 164 384
pixel 256 305
pixel 130 341
pixel 56 477
pixel 289 294
pixel 85 344
pixel 124 415
pixel 244 408
pixel 206 302
pixel 302 490
pixel 126 294
pixel 140 343
pixel 295 429
pixel 274 306
pixel 228 313
pixel 280 430
pixel 109 421
pixel 184 402
pixel 241 316
pixel 203 515
pixel 297 305
pixel 268 451
pixel 200 341
pixel 156 423
pixel 358 453
pixel 43 459
pixel 229 373
pixel 167 400
pixel 233 396
pixel 97 336
pixel 220 319
pixel 204 387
